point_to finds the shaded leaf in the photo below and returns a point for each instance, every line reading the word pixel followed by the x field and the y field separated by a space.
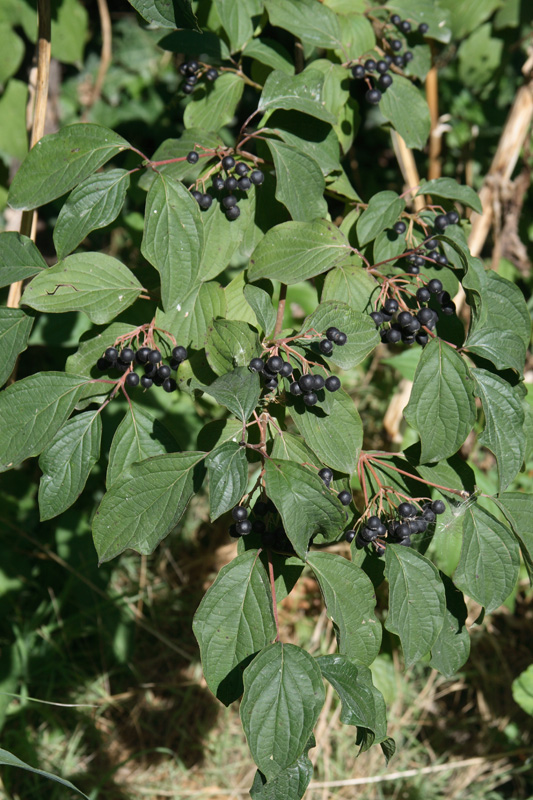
pixel 384 209
pixel 7 759
pixel 230 344
pixel 261 304
pixel 450 189
pixel 452 646
pixel 308 20
pixel 19 258
pixel 238 391
pixel 166 14
pixel 518 509
pixel 290 784
pixel 299 181
pixel 406 109
pixel 360 329
pixel 15 328
pixel 227 469
pixel 213 107
pixel 271 53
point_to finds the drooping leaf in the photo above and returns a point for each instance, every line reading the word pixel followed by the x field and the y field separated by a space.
pixel 227 469
pixel 315 139
pixel 19 258
pixel 450 189
pixel 310 21
pixel 238 391
pixel 95 283
pixel 234 620
pixel 406 109
pixel 299 181
pixel 32 411
pixel 15 328
pixel 138 437
pixel 359 328
pixel 165 14
pixel 67 461
pixel 59 161
pixel 518 509
pixel 212 108
pixel 384 209
pixel 452 646
pixel 522 688
pixel 283 696
pixel 173 238
pixel 294 251
pixel 261 303
pixel 416 601
pixel 350 604
pixel 504 417
pixel 490 559
pixel 306 507
pixel 290 784
pixel 236 19
pixel 303 93
pixel 229 344
pixel 441 407
pixel 144 504
pixel 222 237
pixel 7 759
pixel 190 318
pixel 95 203
pixel 336 438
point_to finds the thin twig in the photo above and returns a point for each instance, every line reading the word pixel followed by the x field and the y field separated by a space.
pixel 281 309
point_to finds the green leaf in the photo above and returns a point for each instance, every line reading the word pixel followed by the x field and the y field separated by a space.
pixel 227 469
pixel 224 237
pixel 294 251
pixel 283 696
pixel 192 43
pixel 144 504
pixel 165 14
pixel 441 407
pixel 290 784
pixel 7 759
pixel 433 12
pixel 382 212
pixel 83 362
pixel 452 646
pixel 179 148
pixel 522 688
pixel 213 107
pixel 293 448
pixel 362 704
pixel 190 318
pixel 304 92
pixel 236 21
pixel 406 109
pixel 465 18
pixel 67 461
pixel 360 329
pixel 11 52
pixel 94 204
pixel 504 418
pixel 97 284
pixel 234 620
pixel 138 437
pixel 230 344
pixel 173 238
pixel 490 559
pixel 518 508
pixel 59 161
pixel 19 258
pixel 308 20
pixel 15 327
pixel 350 604
pixel 261 303
pixel 451 190
pixel 306 507
pixel 335 438
pixel 271 53
pixel 351 284
pixel 32 411
pixel 237 307
pixel 299 182
pixel 238 391
pixel 416 601
pixel 312 137
pixel 13 134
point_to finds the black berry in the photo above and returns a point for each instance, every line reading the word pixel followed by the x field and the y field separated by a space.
pixel 295 388
pixel 400 227
pixel 404 26
pixel 358 71
pixel 230 201
pixel 111 354
pixel 256 365
pixel 127 355
pixel 332 334
pixel 341 339
pixel 333 383
pixel 398 61
pixel 230 184
pixel 370 65
pixel 381 67
pixel 146 382
pixel 438 506
pixel 154 357
pixel 385 81
pixel 408 56
pixel 393 336
pixel 423 28
pixel 345 497
pixel 377 316
pixel 286 370
pixel 406 510
pixel 326 474
pixel 373 523
pixel 228 162
pixel 243 527
pixel 233 213
pixel 211 74
pixel 395 19
pixel 180 353
pixel 239 513
pixel 274 363
pixel 192 157
pixel 404 318
pixel 373 96
pixel 310 399
pixel 307 383
pixel 424 316
pixel 441 222
pixel 434 286
pixel 448 308
pixel 325 346
pixel 197 195
pixel 169 385
pixel 218 183
pixel 391 306
pixel 244 184
pixel 396 45
pixel 318 382
pixel 257 177
pixel 423 294
pixel 452 217
pixel 349 536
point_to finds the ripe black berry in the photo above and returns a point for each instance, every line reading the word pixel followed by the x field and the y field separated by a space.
pixel 349 536
pixel 325 346
pixel 271 384
pixel 345 497
pixel 367 535
pixel 431 244
pixel 205 201
pixel 422 339
pixel 443 297
pixel 332 334
pixel 333 383
pixel 405 26
pixel 438 506
pixel 373 523
pixel 423 28
pixel 154 357
pixel 180 353
pixel 146 382
pixel 187 88
pixel 127 355
pixel 370 65
pixel 233 213
pixel 448 308
pixel 274 363
pixel 399 227
pixel 434 286
pixel 257 177
pixel 211 74
pixel 243 527
pixel 170 385
pixel 341 339
pixel 385 81
pixel 452 217
pixel 373 96
pixel 111 354
pixel 103 364
pixel 441 222
pixel 428 513
pixel 310 399
pixel 404 318
pixel 230 184
pixel 197 195
pixel 244 184
pixel 424 316
pixel 256 365
pixel 239 513
pixel 441 259
pixel 295 388
pixel 192 157
pixel 408 56
pixel 218 183
pixel 406 510
pixel 192 67
pixel 318 382
pixel 307 382
pixel 326 474
pixel 396 45
pixel 142 354
pixel 358 71
pixel 381 67
pixel 423 294
pixel 391 305
pixel 377 316
pixel 241 168
pixel 286 370
pixel 395 19
pixel 228 162
pixel 393 336
pixel 163 371
pixel 230 201
pixel 398 61
pixel 132 379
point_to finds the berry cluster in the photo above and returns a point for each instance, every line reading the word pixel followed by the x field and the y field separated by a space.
pixel 265 521
pixel 333 336
pixel 155 372
pixel 367 70
pixel 396 530
pixel 307 384
pixel 192 71
pixel 415 260
pixel 238 181
pixel 408 327
pixel 327 476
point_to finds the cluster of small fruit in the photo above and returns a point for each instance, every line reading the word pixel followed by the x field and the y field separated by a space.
pixel 408 326
pixel 265 521
pixel 333 336
pixel 367 69
pixel 307 385
pixel 396 531
pixel 327 476
pixel 238 181
pixel 155 372
pixel 415 261
pixel 192 71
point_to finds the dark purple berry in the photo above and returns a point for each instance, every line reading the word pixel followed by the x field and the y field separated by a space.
pixel 192 157
pixel 274 363
pixel 423 295
pixel 406 510
pixel 408 56
pixel 310 399
pixel 319 382
pixel 452 217
pixel 341 339
pixel 230 184
pixel 286 370
pixel 345 497
pixel 257 177
pixel 373 96
pixel 256 365
pixel 180 353
pixel 218 183
pixel 127 355
pixel 333 383
pixel 170 385
pixel 233 213
pixel 332 334
pixel 244 527
pixel 391 305
pixel 438 506
pixel 325 347
pixel 197 195
pixel 377 316
pixel 244 184
pixel 393 336
pixel 399 227
pixel 228 162
pixel 350 536
pixel 146 382
pixel 385 81
pixel 381 67
pixel 434 286
pixel 307 383
pixel 154 357
pixel 211 74
pixel 295 388
pixel 404 318
pixel 326 474
pixel 441 222
pixel 358 71
pixel 132 379
pixel 239 513
pixel 370 65
pixel 111 354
